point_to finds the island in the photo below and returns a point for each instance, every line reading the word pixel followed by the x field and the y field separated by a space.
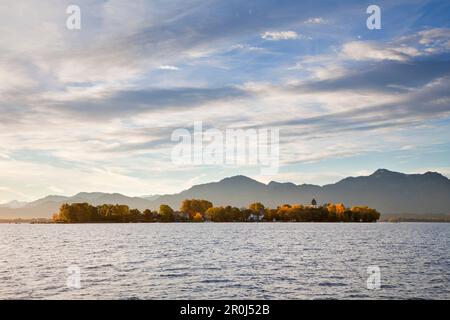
pixel 198 210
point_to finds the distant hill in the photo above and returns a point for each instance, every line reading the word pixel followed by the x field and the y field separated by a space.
pixel 13 204
pixel 389 192
pixel 45 207
pixel 151 197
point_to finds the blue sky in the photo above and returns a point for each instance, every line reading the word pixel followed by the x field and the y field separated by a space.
pixel 93 109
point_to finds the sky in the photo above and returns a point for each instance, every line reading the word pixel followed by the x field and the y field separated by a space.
pixel 94 109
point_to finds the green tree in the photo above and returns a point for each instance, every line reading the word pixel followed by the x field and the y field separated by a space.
pixel 135 216
pixel 150 216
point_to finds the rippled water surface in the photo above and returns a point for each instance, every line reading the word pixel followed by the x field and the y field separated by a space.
pixel 225 261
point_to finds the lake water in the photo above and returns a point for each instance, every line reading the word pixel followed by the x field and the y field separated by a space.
pixel 225 261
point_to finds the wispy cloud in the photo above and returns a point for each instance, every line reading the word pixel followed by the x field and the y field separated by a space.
pixel 361 50
pixel 317 20
pixel 280 35
pixel 168 67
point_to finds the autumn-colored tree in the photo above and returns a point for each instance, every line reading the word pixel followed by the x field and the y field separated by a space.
pixel 283 213
pixel 364 214
pixel 212 213
pixel 193 206
pixel 332 213
pixel 234 214
pixel 198 217
pixel 271 215
pixel 296 213
pixel 66 213
pixel 77 213
pixel 166 213
pixel 55 217
pixel 257 209
pixel 341 212
pixel 84 213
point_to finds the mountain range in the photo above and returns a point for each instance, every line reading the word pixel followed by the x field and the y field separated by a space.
pixel 387 191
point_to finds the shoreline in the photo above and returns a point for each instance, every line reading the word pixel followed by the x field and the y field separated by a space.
pixel 3 222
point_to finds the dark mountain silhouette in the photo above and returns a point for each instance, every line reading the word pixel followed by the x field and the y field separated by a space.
pixel 389 192
pixel 237 191
pixel 393 192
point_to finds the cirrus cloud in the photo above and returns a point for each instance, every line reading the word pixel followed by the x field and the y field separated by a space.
pixel 280 35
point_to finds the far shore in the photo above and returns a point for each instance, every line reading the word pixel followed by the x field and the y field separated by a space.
pixel 203 211
pixel 382 220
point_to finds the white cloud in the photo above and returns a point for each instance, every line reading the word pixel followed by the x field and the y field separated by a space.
pixel 362 50
pixel 430 41
pixel 317 20
pixel 422 43
pixel 245 47
pixel 168 67
pixel 434 36
pixel 280 35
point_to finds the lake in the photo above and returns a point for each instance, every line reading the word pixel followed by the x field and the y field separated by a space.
pixel 224 261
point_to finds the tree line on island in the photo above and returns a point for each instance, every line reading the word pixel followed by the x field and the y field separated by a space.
pixel 196 210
